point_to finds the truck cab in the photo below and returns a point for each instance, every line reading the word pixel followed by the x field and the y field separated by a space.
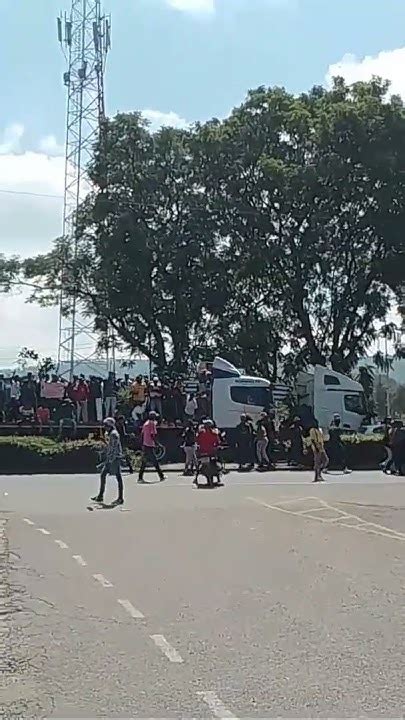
pixel 326 393
pixel 235 394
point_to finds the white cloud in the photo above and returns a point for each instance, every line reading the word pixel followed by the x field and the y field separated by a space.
pixel 11 138
pixel 193 6
pixel 50 146
pixel 208 7
pixel 388 64
pixel 159 119
pixel 30 222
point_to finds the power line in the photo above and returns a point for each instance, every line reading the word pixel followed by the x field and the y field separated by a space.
pixel 31 194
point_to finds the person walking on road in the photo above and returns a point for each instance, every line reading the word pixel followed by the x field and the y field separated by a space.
pixel 321 459
pixel 112 463
pixel 149 437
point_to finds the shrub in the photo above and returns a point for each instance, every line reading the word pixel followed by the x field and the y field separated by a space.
pixel 26 455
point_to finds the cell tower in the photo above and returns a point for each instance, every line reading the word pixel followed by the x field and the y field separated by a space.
pixel 85 38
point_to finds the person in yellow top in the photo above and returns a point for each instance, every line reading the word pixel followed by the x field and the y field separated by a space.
pixel 138 391
pixel 321 460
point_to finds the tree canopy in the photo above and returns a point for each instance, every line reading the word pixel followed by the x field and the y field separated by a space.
pixel 274 236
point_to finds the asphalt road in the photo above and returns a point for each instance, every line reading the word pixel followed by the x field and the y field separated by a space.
pixel 270 597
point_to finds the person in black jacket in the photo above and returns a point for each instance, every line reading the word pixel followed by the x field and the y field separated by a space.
pixel 336 448
pixel 245 443
pixel 121 427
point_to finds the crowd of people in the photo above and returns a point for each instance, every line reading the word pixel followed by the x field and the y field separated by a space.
pixel 203 442
pixel 51 400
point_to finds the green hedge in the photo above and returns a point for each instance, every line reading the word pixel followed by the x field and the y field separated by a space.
pixel 29 455
pixel 20 455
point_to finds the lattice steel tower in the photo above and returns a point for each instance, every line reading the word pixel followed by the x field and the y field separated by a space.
pixel 85 37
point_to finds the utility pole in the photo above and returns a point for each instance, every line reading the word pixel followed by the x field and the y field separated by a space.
pixel 85 38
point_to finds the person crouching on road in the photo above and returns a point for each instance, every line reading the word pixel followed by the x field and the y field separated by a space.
pixel 149 438
pixel 112 463
pixel 321 459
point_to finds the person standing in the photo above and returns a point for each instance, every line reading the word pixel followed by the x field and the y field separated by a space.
pixel 190 448
pixel 179 399
pixel 83 395
pixel 155 396
pixel 336 446
pixel 295 456
pixel 95 399
pixel 122 430
pixel 112 463
pixel 321 459
pixel 262 442
pixel 191 407
pixel 149 442
pixel 245 443
pixel 110 394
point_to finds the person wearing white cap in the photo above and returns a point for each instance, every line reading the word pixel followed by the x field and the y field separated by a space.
pixel 112 463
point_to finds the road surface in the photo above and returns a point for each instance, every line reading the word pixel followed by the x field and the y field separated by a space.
pixel 270 597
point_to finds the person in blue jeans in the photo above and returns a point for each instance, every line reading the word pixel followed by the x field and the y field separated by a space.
pixel 112 463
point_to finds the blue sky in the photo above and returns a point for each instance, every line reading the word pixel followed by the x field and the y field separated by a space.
pixel 178 60
pixel 197 64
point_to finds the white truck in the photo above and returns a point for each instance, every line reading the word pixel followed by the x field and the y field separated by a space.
pixel 321 393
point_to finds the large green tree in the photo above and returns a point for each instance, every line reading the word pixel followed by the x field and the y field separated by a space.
pixel 309 193
pixel 146 259
pixel 274 236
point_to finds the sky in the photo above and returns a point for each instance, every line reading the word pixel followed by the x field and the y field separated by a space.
pixel 177 61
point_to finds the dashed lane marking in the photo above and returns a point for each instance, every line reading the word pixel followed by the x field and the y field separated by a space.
pixel 218 709
pixel 79 560
pixel 167 649
pixel 103 581
pixel 28 521
pixel 43 531
pixel 341 519
pixel 131 610
pixel 62 545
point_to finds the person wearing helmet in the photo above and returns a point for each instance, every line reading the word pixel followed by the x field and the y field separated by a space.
pixel 149 441
pixel 208 443
pixel 208 439
pixel 112 463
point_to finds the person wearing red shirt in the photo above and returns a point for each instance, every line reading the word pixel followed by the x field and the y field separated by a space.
pixel 208 440
pixel 79 393
pixel 43 416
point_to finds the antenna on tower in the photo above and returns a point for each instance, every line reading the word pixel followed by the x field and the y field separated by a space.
pixel 85 37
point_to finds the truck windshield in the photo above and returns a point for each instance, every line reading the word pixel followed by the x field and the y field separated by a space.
pixel 355 404
pixel 248 395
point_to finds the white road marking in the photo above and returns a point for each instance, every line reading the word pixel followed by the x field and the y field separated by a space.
pixel 103 581
pixel 62 544
pixel 167 649
pixel 133 612
pixel 43 531
pixel 216 706
pixel 79 560
pixel 341 520
pixel 28 521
